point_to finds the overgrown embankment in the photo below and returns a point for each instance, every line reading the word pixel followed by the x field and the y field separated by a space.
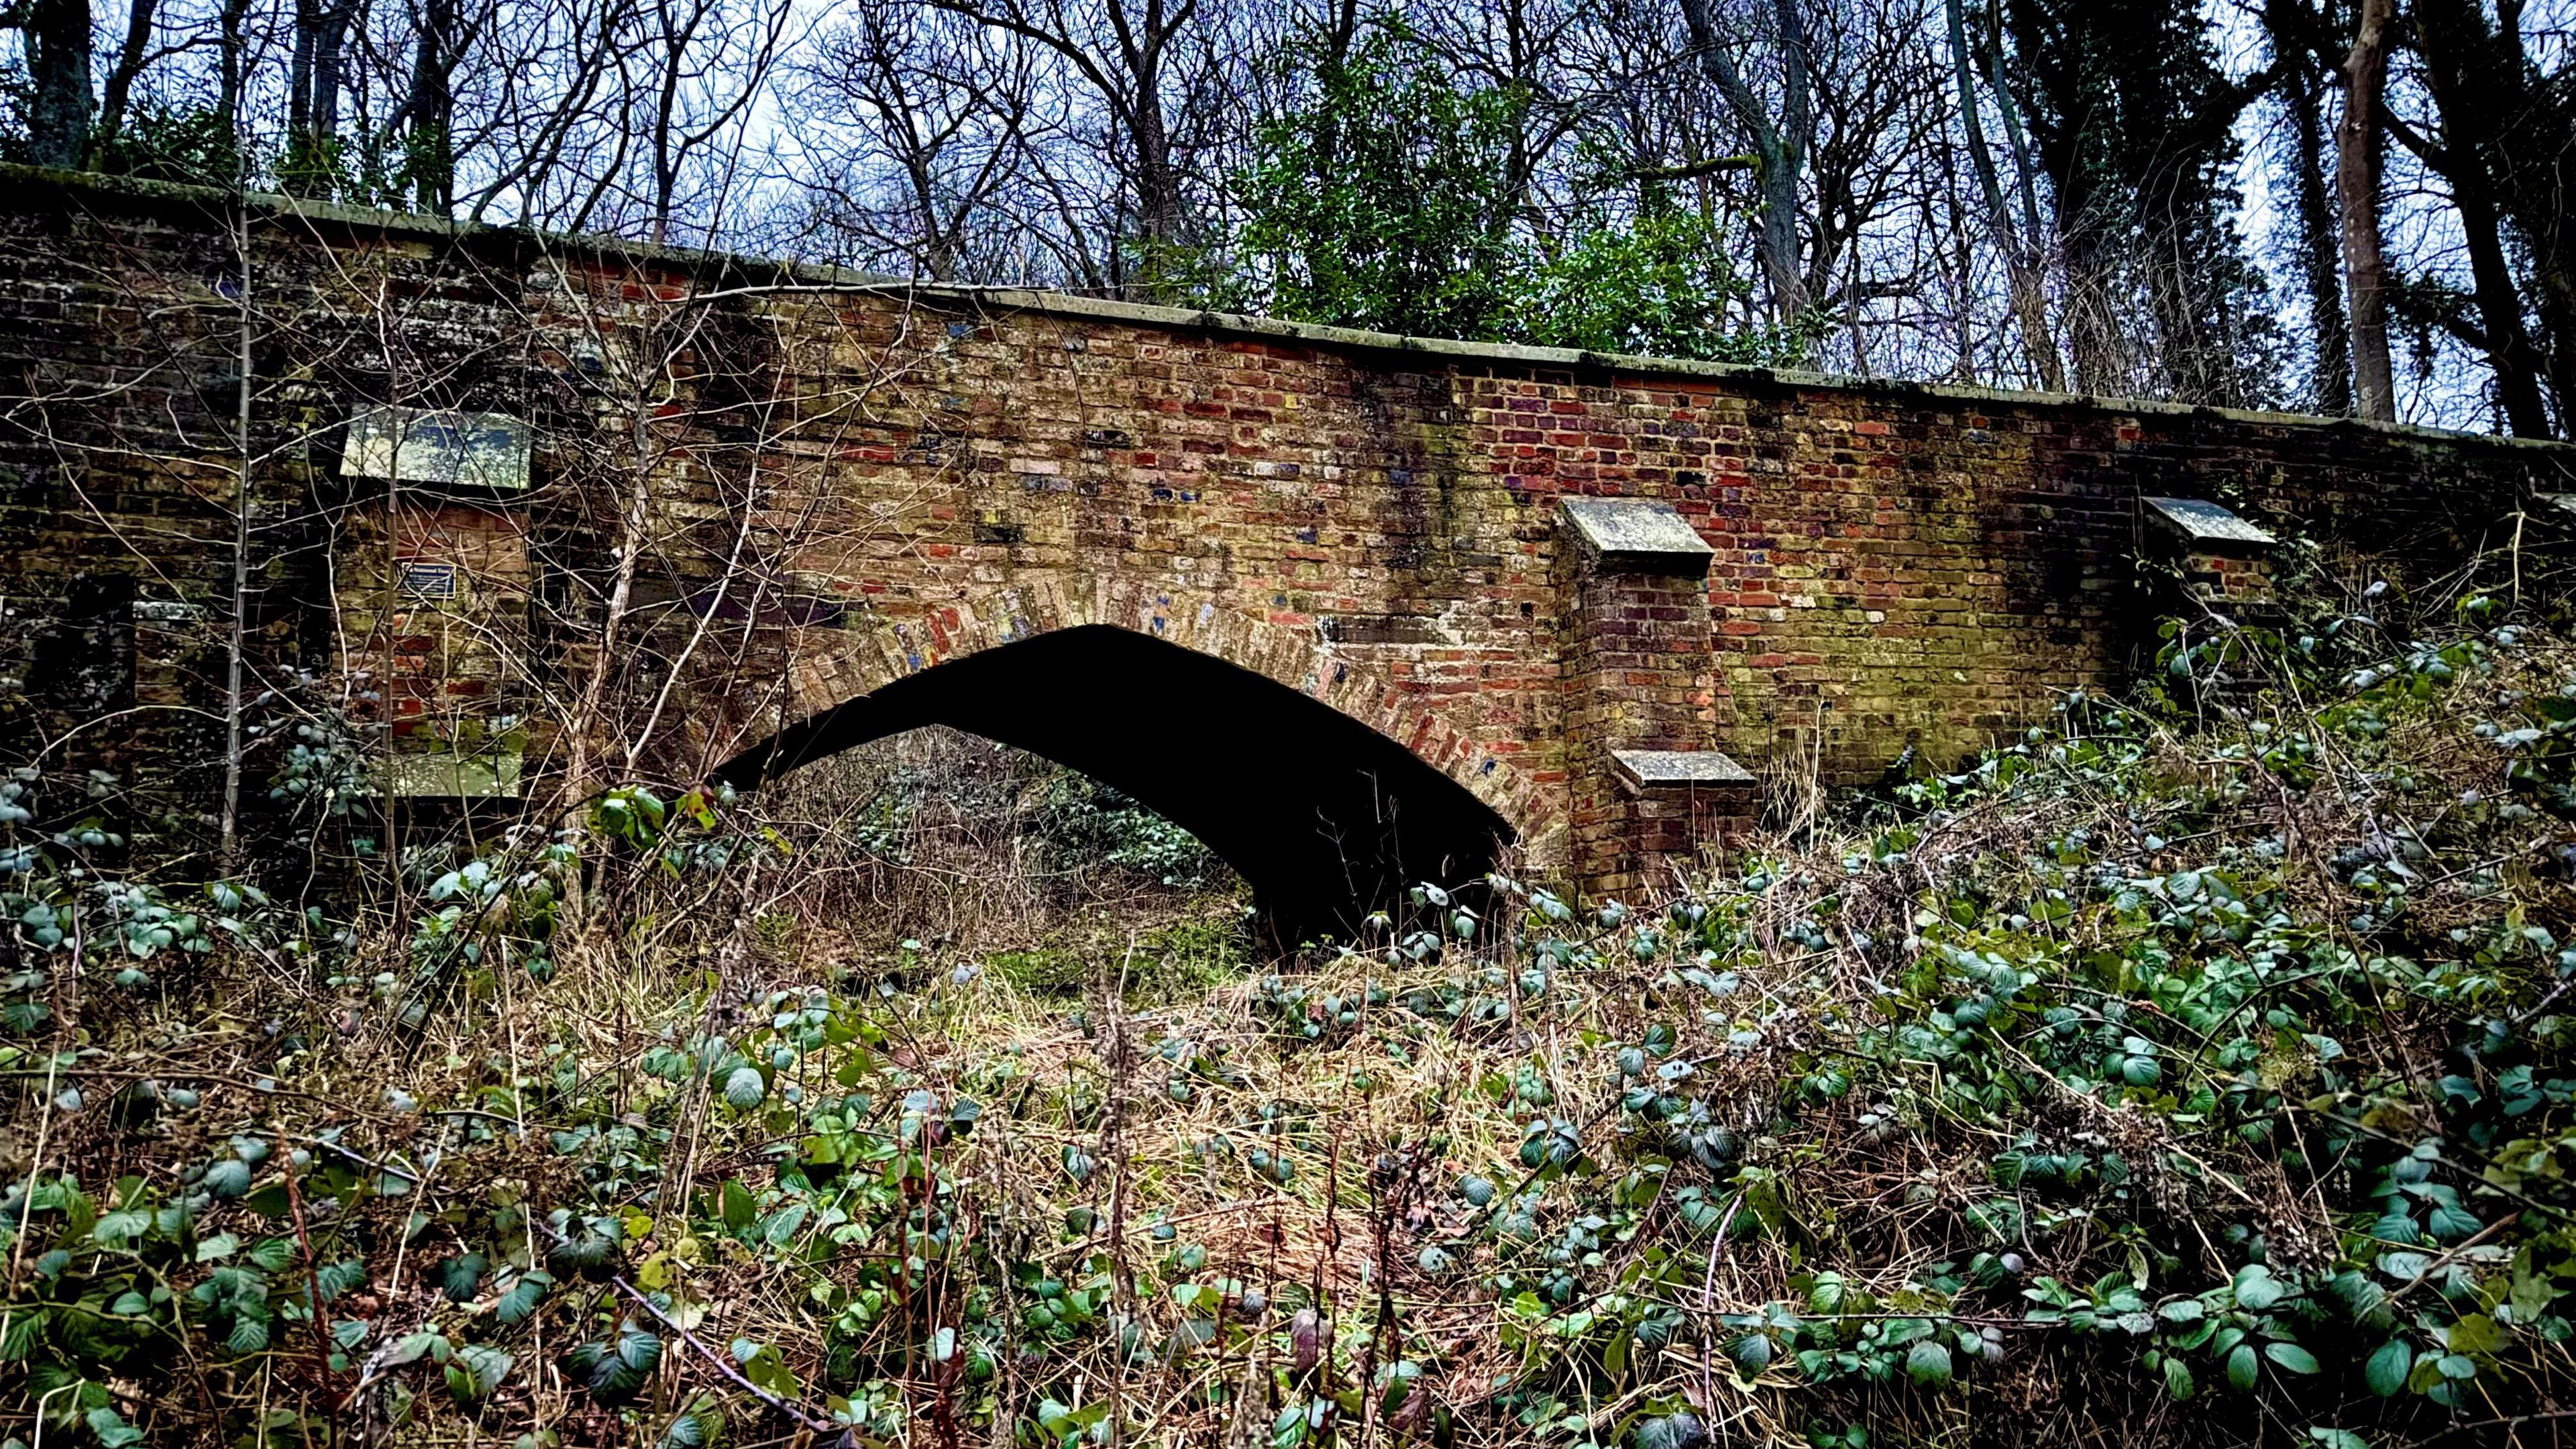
pixel 2195 1070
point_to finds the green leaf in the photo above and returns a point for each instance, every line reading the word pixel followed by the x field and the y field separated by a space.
pixel 2291 1358
pixel 413 1347
pixel 2242 1367
pixel 2475 1333
pixel 2177 1377
pixel 1928 1364
pixel 111 1428
pixel 461 1275
pixel 25 1326
pixel 2386 1371
pixel 2257 1289
pixel 738 1207
pixel 2450 1223
pixel 476 1370
pixel 524 1295
pixel 114 1228
pixel 335 1279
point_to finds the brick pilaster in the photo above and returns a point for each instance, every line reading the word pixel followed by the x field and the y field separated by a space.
pixel 1647 788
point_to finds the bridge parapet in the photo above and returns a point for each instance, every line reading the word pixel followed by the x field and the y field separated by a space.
pixel 748 488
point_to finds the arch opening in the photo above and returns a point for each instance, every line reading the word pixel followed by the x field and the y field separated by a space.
pixel 1326 818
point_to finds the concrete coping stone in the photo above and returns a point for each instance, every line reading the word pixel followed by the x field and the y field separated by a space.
pixel 1638 533
pixel 2202 521
pixel 1642 770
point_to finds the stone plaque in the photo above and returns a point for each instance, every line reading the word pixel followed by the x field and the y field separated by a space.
pixel 424 445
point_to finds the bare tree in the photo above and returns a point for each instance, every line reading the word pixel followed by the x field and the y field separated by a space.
pixel 2357 162
pixel 137 51
pixel 1782 140
pixel 918 138
pixel 2019 242
pixel 1130 55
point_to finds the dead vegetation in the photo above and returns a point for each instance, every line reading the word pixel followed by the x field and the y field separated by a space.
pixel 2191 1070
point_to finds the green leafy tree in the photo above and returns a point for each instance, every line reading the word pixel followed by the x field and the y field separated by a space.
pixel 1661 284
pixel 1389 199
pixel 1386 200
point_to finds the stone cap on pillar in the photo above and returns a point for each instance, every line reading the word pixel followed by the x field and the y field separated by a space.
pixel 1643 770
pixel 1637 535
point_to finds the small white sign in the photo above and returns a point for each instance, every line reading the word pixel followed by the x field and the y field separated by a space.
pixel 425 445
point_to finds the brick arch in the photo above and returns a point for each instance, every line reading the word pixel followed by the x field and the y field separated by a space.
pixel 858 661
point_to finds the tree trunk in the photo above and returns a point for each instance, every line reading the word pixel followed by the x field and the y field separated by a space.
pixel 2320 236
pixel 2451 33
pixel 2534 138
pixel 229 42
pixel 129 64
pixel 433 108
pixel 2357 156
pixel 2029 300
pixel 1779 145
pixel 58 60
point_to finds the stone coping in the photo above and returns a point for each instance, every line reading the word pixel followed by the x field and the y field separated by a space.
pixel 1679 770
pixel 31 189
pixel 1637 533
pixel 2202 521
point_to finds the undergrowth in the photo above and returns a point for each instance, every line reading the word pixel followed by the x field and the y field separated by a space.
pixel 2195 1069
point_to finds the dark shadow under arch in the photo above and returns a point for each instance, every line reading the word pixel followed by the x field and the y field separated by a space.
pixel 1327 818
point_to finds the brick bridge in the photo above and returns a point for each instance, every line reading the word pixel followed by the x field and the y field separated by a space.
pixel 1352 608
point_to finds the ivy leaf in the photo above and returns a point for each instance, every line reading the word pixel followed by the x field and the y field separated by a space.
pixel 114 1228
pixel 2386 1371
pixel 111 1428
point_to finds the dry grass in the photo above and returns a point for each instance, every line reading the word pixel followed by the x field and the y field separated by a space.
pixel 1229 1296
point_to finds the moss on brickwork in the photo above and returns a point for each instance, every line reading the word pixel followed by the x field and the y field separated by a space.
pixel 1896 567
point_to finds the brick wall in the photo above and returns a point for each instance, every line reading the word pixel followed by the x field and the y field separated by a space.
pixel 839 482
